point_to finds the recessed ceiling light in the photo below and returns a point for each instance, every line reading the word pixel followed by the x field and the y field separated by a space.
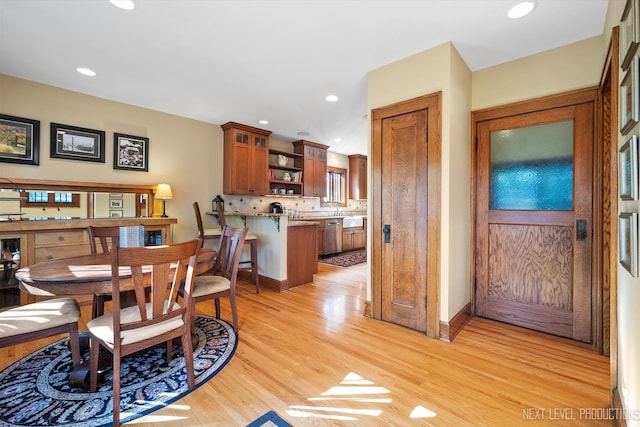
pixel 123 4
pixel 331 98
pixel 521 9
pixel 337 139
pixel 86 71
pixel 263 122
pixel 303 133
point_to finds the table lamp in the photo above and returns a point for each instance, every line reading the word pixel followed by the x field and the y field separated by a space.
pixel 164 193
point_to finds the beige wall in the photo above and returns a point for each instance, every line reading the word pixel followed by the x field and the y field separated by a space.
pixel 187 154
pixel 573 66
pixel 440 69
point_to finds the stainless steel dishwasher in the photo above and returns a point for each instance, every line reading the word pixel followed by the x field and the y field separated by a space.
pixel 333 236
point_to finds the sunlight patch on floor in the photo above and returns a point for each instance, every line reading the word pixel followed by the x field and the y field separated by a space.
pixel 422 412
pixel 353 388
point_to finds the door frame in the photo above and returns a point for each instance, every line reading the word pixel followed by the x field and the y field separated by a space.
pixel 585 95
pixel 432 103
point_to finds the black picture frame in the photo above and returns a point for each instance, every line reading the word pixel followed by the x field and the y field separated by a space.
pixel 629 33
pixel 19 140
pixel 130 152
pixel 76 143
pixel 628 169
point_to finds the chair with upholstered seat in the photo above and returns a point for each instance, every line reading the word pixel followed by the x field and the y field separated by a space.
pixel 159 271
pixel 251 239
pixel 223 282
pixel 42 319
pixel 107 236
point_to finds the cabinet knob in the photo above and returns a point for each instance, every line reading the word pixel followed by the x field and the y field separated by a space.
pixel 60 238
pixel 49 257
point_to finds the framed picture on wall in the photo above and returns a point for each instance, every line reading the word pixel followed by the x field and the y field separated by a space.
pixel 19 140
pixel 130 152
pixel 628 169
pixel 628 242
pixel 629 98
pixel 629 33
pixel 74 143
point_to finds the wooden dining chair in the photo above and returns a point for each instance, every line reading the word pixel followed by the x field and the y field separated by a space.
pixel 205 233
pixel 223 282
pixel 161 269
pixel 42 319
pixel 251 264
pixel 106 237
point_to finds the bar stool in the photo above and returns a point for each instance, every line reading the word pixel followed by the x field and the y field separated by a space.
pixel 215 233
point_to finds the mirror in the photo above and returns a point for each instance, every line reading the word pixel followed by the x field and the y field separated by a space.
pixel 21 201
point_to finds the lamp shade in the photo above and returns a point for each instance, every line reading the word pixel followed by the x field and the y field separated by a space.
pixel 164 192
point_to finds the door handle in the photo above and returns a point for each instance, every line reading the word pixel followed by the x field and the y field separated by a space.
pixel 387 233
pixel 581 230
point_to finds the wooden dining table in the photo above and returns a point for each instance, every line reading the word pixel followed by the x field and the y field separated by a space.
pixel 85 275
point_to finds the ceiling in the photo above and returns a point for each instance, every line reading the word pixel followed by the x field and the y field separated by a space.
pixel 251 60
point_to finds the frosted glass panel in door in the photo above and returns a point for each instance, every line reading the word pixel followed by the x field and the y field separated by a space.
pixel 532 167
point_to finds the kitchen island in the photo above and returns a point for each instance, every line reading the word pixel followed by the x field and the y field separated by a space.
pixel 287 249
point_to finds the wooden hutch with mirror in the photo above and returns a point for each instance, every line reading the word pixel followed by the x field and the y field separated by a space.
pixel 42 220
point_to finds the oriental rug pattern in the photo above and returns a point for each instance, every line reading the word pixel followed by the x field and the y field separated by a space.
pixel 35 391
pixel 346 259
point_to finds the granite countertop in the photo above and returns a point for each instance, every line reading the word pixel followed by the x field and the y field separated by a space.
pixel 267 214
pixel 299 223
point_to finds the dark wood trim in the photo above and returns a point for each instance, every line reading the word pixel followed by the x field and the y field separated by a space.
pixel 368 309
pixel 617 410
pixel 449 330
pixel 609 85
pixel 432 103
pixel 266 282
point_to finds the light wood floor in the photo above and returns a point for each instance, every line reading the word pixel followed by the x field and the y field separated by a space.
pixel 311 356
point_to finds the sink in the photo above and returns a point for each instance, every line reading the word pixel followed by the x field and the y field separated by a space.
pixel 352 221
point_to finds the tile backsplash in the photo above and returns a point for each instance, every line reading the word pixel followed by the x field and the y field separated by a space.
pixel 308 206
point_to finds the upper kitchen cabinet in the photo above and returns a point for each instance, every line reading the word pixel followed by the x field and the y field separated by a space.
pixel 314 164
pixel 357 177
pixel 246 159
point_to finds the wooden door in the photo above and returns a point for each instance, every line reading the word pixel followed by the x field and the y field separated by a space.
pixel 404 202
pixel 534 220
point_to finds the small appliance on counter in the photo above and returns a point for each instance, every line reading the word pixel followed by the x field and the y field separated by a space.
pixel 276 207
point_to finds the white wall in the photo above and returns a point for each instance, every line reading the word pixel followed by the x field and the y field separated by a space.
pixel 628 351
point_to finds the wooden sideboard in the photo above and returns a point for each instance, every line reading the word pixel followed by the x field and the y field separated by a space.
pixel 46 240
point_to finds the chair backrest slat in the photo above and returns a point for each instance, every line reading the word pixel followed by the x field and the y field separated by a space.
pixel 229 251
pixel 107 236
pixel 158 272
pixel 196 209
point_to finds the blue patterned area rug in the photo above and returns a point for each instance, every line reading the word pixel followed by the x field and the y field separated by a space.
pixel 35 390
pixel 270 419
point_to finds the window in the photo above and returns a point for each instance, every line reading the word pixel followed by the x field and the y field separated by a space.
pixel 336 187
pixel 46 199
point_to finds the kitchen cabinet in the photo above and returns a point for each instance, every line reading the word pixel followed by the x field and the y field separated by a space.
pixel 282 164
pixel 246 160
pixel 353 238
pixel 357 177
pixel 314 164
